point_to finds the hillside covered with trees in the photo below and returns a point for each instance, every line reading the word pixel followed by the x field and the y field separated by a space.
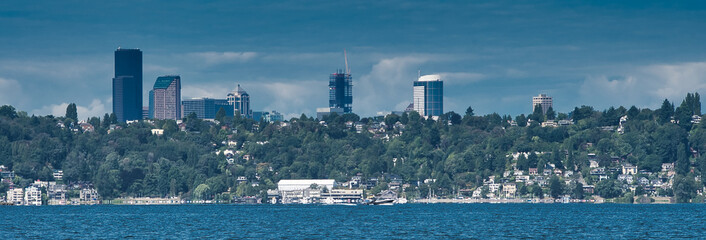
pixel 457 152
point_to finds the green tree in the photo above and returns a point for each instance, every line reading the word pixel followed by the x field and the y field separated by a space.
pixel 665 113
pixel 577 192
pixel 551 114
pixel 556 187
pixel 608 188
pixel 71 112
pixel 220 115
pixel 684 189
pixel 202 192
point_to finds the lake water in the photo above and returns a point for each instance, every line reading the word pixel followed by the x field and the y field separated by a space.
pixel 418 221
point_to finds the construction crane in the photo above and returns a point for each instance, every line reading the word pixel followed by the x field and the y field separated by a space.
pixel 345 56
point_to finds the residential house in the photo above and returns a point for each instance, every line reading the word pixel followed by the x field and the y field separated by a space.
pixel 643 181
pixel 588 189
pixel 625 178
pixel 533 171
pixel 593 164
pixel 666 167
pixel 493 187
pixel 509 189
pixel 629 169
pixel 158 132
pixel 86 127
pixel 522 178
pixel 58 174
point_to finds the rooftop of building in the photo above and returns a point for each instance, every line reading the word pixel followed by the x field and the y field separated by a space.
pixel 429 78
pixel 165 81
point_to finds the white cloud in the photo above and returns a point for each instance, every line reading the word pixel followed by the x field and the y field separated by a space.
pixel 453 78
pixel 646 86
pixel 387 86
pixel 10 92
pixel 294 98
pixel 214 90
pixel 97 108
pixel 223 57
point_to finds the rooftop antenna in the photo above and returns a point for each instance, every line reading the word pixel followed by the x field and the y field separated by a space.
pixel 419 73
pixel 345 55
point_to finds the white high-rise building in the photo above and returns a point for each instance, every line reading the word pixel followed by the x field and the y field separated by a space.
pixel 428 98
pixel 240 100
pixel 543 100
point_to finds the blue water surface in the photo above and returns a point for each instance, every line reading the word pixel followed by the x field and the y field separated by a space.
pixel 416 221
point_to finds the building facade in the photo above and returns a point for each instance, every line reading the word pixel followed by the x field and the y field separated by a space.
pixel 240 100
pixel 341 91
pixel 165 98
pixel 543 100
pixel 127 85
pixel 206 108
pixel 428 96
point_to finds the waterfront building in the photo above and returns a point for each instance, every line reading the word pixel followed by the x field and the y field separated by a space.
pixel 165 98
pixel 15 196
pixel 206 108
pixel 240 100
pixel 33 196
pixel 56 194
pixel 428 97
pixel 127 85
pixel 341 91
pixel 89 196
pixel 543 100
pixel 300 184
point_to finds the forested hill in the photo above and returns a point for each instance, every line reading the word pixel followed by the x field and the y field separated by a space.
pixel 458 151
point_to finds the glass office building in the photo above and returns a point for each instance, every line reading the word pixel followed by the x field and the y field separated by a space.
pixel 127 85
pixel 428 96
pixel 206 108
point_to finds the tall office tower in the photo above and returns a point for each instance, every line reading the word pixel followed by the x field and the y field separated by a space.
pixel 340 91
pixel 206 108
pixel 127 85
pixel 240 100
pixel 165 98
pixel 542 99
pixel 428 97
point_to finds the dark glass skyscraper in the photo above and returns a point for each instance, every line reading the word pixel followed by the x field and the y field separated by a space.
pixel 340 87
pixel 127 85
pixel 429 95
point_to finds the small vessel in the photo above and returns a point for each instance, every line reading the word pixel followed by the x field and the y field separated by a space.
pixel 380 202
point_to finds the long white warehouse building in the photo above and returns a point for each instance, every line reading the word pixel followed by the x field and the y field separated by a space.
pixel 300 184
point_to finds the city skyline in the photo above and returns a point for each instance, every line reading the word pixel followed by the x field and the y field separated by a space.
pixel 493 56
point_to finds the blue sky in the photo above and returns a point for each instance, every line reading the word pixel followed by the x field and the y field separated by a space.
pixel 493 56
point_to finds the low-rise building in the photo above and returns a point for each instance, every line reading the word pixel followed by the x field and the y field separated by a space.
pixel 56 194
pixel 15 196
pixel 89 196
pixel 33 196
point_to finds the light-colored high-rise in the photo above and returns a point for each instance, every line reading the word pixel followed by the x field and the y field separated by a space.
pixel 543 100
pixel 428 96
pixel 165 98
pixel 240 100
